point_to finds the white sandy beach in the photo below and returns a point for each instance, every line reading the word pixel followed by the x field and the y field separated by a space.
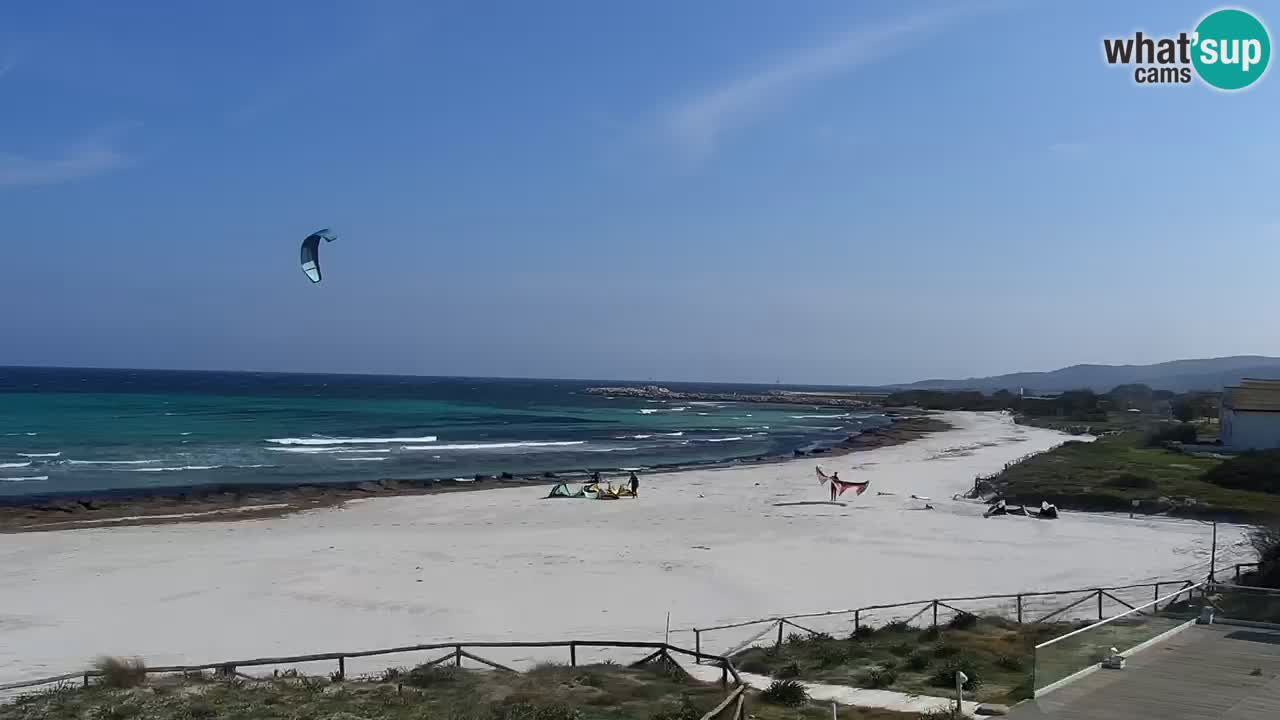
pixel 707 546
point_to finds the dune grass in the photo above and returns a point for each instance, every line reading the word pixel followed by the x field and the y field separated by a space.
pixel 549 692
pixel 996 654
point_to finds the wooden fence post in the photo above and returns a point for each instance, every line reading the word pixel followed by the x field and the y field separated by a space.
pixel 780 633
pixel 1019 609
pixel 857 620
pixel 724 676
pixel 573 654
pixel 86 679
pixel 1099 604
pixel 342 668
pixel 697 646
pixel 457 656
pixel 935 613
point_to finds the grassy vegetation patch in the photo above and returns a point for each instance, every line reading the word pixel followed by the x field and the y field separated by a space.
pixel 1111 472
pixel 549 692
pixel 997 656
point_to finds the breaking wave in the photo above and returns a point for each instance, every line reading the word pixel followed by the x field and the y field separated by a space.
pixel 328 450
pixel 111 462
pixel 15 465
pixel 40 455
pixel 494 446
pixel 650 411
pixel 349 441
pixel 183 468
pixel 33 478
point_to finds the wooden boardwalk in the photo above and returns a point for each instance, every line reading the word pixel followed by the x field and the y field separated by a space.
pixel 1205 672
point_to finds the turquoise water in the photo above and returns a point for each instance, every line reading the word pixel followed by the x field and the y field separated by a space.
pixel 85 431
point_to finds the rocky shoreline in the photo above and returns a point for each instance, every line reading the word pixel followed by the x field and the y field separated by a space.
pixel 784 397
pixel 158 506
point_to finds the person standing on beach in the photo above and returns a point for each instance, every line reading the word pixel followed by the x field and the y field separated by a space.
pixel 635 485
pixel 835 477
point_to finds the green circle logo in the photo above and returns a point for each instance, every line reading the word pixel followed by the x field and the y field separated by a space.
pixel 1232 49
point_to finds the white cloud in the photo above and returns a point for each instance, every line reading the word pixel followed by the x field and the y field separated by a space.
pixel 697 123
pixel 78 162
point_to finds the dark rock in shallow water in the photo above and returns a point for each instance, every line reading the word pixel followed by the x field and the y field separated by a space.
pixel 548 474
pixel 798 453
pixel 508 476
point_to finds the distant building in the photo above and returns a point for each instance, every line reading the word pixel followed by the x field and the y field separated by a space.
pixel 1249 416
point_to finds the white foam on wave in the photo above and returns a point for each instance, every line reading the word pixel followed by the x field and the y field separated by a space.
pixel 328 450
pixel 363 459
pixel 632 437
pixel 674 434
pixel 15 465
pixel 180 468
pixel 494 446
pixel 349 441
pixel 819 417
pixel 184 468
pixel 110 462
pixel 650 411
pixel 723 439
pixel 33 478
pixel 40 455
pixel 610 449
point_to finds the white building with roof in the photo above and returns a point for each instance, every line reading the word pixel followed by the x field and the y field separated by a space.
pixel 1250 415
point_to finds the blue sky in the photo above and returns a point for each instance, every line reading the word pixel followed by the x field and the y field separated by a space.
pixel 825 191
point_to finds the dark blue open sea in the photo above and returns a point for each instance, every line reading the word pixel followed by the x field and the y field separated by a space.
pixel 89 430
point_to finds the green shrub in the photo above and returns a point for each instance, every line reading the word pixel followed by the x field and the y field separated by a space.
pixel 945 676
pixel 686 710
pixel 1129 481
pixel 896 627
pixel 1257 471
pixel 963 621
pixel 943 651
pixel 424 677
pixel 918 661
pixel 862 632
pixel 757 664
pixel 902 649
pixel 1012 663
pixel 831 654
pixel 1182 432
pixel 115 711
pixel 930 634
pixel 534 711
pixel 878 677
pixel 121 672
pixel 788 671
pixel 786 693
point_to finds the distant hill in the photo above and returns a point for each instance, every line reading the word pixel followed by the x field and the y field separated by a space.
pixel 1178 376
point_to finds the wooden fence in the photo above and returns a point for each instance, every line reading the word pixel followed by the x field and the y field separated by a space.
pixel 1241 566
pixel 1021 611
pixel 457 652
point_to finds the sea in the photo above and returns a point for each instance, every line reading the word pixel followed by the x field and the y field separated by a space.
pixel 66 431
